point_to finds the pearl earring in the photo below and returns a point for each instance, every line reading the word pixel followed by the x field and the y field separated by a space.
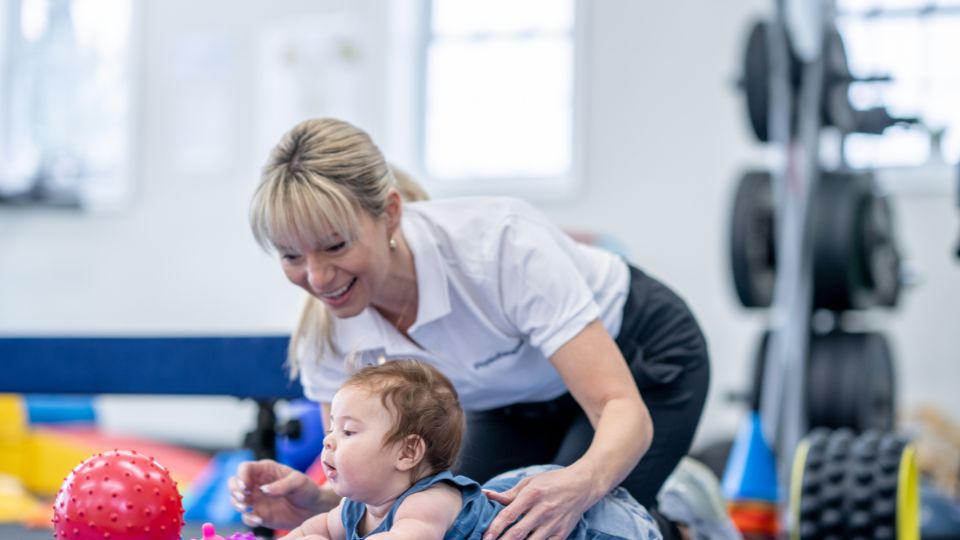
pixel 393 244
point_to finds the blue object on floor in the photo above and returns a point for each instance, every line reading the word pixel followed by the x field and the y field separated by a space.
pixel 301 451
pixel 751 471
pixel 55 409
pixel 208 498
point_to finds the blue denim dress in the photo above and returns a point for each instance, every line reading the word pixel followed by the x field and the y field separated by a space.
pixel 616 517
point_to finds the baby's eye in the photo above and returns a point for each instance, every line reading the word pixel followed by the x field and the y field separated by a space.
pixel 347 433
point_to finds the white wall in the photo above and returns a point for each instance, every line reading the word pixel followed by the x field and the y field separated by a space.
pixel 665 137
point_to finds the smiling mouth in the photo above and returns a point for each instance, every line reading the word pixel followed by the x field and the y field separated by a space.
pixel 338 293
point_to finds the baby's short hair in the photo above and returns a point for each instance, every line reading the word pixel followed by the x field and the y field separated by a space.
pixel 424 403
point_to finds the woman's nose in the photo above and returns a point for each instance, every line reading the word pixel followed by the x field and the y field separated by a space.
pixel 320 273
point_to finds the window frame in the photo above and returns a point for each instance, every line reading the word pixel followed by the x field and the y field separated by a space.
pixel 91 194
pixel 938 151
pixel 553 187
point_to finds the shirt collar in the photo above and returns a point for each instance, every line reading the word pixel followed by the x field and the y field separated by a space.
pixel 370 332
pixel 363 332
pixel 432 285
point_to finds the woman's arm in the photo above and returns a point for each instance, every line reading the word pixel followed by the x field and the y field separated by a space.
pixel 598 378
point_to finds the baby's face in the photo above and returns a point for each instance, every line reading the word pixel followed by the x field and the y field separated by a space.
pixel 354 458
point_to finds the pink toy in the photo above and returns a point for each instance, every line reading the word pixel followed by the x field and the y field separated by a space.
pixel 209 533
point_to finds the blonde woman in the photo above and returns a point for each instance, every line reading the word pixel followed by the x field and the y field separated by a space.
pixel 549 343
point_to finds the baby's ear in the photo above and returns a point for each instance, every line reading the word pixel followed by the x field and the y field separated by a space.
pixel 412 450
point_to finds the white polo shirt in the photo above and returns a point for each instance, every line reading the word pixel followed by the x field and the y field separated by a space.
pixel 500 290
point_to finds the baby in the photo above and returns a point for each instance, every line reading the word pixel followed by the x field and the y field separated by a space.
pixel 395 432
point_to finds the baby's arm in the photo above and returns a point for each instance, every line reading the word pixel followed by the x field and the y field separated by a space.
pixel 427 515
pixel 325 526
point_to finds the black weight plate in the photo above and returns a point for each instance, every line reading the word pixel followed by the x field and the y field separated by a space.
pixel 878 406
pixel 850 382
pixel 752 251
pixel 756 80
pixel 835 101
pixel 820 395
pixel 840 280
pixel 879 250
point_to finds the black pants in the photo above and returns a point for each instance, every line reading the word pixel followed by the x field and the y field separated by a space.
pixel 667 355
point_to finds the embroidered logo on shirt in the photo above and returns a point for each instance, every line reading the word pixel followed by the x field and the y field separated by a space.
pixel 499 355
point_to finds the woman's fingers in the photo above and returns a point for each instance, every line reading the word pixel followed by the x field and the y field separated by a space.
pixel 502 498
pixel 238 490
pixel 239 498
pixel 251 520
pixel 544 520
pixel 284 482
pixel 520 507
pixel 242 476
pixel 540 507
pixel 538 527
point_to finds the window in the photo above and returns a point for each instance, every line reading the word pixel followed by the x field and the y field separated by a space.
pixel 65 102
pixel 499 97
pixel 914 42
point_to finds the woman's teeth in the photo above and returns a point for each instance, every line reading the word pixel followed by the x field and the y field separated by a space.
pixel 340 291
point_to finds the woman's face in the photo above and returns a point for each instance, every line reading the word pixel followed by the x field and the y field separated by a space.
pixel 346 275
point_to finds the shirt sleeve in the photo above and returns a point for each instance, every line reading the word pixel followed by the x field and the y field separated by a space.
pixel 542 290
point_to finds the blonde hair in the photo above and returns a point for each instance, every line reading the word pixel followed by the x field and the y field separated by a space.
pixel 424 403
pixel 320 174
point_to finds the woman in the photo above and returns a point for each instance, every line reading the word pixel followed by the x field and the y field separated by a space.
pixel 518 316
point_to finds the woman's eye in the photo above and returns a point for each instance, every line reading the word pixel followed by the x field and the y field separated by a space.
pixel 336 247
pixel 289 258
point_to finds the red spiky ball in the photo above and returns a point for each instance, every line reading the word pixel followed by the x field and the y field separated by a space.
pixel 118 495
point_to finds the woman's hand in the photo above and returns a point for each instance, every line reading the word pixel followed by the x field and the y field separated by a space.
pixel 273 495
pixel 545 506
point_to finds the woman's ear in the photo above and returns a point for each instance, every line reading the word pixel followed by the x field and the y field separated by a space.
pixel 412 451
pixel 393 212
